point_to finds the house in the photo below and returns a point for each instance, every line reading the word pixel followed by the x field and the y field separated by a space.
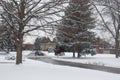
pixel 46 46
pixel 28 46
pixel 44 43
pixel 101 45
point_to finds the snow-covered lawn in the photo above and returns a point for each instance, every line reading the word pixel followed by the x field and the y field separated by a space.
pixel 37 70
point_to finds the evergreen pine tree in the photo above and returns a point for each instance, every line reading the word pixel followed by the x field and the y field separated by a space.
pixel 76 26
pixel 37 43
pixel 7 43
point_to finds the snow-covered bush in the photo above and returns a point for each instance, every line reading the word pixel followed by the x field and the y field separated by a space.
pixel 10 57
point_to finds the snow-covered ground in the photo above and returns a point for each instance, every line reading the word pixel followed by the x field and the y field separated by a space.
pixel 37 70
pixel 99 59
pixel 3 56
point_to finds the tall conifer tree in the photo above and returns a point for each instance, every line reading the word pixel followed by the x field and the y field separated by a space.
pixel 76 25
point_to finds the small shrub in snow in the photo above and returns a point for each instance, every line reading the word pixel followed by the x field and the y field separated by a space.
pixel 10 57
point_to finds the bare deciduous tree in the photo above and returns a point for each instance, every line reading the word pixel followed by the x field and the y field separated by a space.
pixel 111 9
pixel 29 15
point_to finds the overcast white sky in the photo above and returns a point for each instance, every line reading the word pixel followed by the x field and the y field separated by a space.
pixel 101 34
pixel 35 34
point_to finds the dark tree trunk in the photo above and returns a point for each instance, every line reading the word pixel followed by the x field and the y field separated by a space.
pixel 116 48
pixel 78 50
pixel 19 55
pixel 19 50
pixel 73 49
pixel 73 54
pixel 19 43
pixel 19 39
pixel 79 55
